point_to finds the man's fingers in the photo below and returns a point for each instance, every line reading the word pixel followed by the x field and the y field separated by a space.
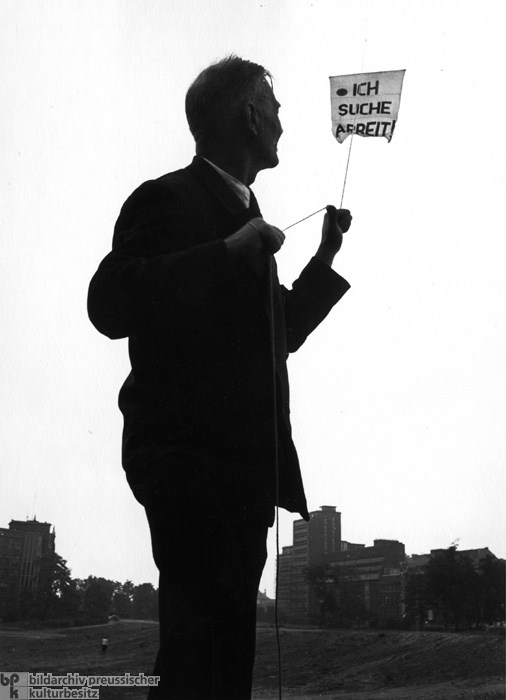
pixel 339 217
pixel 344 219
pixel 272 238
pixel 331 216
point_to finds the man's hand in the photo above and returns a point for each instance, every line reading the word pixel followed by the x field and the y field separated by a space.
pixel 335 223
pixel 254 241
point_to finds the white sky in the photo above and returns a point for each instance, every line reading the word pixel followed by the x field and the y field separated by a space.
pixel 399 399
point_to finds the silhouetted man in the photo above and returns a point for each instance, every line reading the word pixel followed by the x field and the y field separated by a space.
pixel 207 445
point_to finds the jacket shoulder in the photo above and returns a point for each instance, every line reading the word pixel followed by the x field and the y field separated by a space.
pixel 173 183
pixel 151 199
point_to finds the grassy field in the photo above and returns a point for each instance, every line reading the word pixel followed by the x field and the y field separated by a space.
pixel 345 665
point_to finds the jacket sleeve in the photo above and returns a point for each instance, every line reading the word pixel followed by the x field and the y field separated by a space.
pixel 154 273
pixel 309 301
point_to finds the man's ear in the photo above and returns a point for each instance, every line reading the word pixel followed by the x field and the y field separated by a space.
pixel 251 117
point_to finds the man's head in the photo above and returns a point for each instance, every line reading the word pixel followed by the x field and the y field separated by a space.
pixel 231 105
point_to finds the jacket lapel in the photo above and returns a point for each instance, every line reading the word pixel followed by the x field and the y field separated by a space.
pixel 213 181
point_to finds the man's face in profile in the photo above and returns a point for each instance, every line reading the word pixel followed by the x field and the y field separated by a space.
pixel 270 128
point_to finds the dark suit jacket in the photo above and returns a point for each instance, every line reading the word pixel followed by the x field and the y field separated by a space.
pixel 201 391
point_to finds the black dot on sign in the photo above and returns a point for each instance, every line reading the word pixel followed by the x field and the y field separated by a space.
pixel 342 92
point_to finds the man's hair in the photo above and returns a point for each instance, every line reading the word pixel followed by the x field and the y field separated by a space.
pixel 216 96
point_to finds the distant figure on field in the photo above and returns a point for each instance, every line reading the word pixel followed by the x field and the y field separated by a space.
pixel 105 643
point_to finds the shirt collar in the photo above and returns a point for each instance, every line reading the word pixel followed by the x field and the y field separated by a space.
pixel 236 185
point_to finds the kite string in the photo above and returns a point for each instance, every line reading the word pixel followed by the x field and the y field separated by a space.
pixel 306 217
pixel 346 171
pixel 272 273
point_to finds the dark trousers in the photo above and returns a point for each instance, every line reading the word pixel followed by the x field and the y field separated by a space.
pixel 210 567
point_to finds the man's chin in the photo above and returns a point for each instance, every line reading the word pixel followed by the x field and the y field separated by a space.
pixel 273 160
pixel 269 161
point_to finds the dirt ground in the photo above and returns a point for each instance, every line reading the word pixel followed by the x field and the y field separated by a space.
pixel 326 664
pixel 362 665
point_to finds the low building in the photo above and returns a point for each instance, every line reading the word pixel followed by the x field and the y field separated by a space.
pixel 375 576
pixel 265 605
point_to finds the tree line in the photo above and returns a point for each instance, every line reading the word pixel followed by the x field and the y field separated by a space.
pixel 450 592
pixel 66 600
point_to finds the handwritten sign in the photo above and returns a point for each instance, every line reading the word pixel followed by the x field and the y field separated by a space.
pixel 365 104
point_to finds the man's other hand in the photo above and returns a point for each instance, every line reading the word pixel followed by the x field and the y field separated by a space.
pixel 254 238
